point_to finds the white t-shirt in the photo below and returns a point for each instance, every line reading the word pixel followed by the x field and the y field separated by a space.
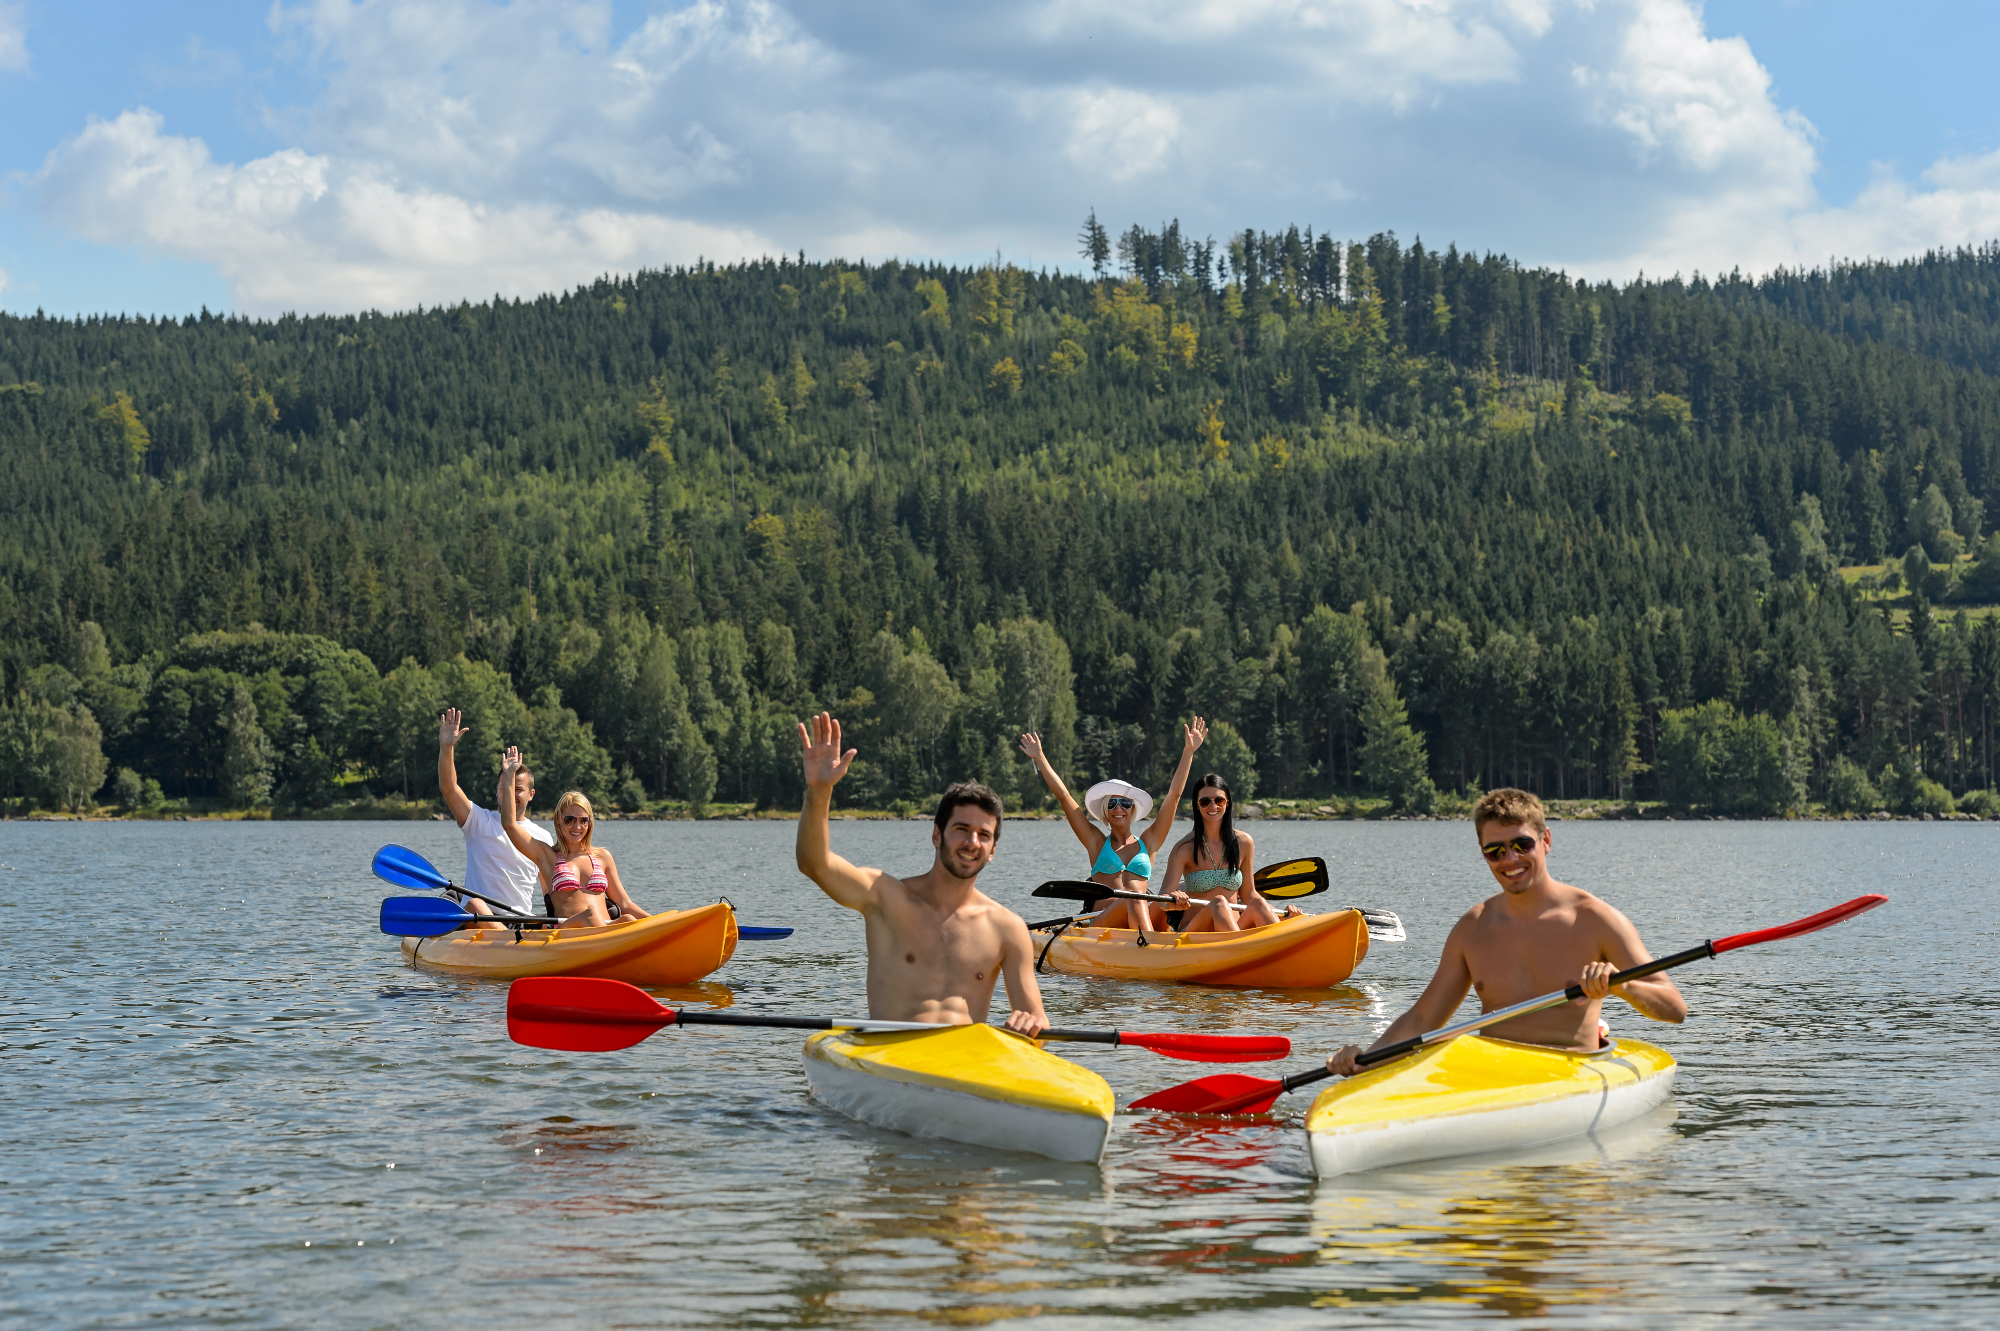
pixel 493 868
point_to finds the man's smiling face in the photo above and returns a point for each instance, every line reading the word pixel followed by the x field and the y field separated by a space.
pixel 1517 853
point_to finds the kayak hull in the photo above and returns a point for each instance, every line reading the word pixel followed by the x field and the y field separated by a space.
pixel 1473 1094
pixel 1304 952
pixel 969 1084
pixel 673 947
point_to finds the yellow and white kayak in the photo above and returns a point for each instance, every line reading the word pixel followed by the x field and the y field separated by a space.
pixel 1475 1094
pixel 1304 952
pixel 971 1084
pixel 673 947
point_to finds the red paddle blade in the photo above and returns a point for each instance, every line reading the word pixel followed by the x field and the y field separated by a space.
pixel 584 1015
pixel 1224 1093
pixel 1212 1048
pixel 1811 924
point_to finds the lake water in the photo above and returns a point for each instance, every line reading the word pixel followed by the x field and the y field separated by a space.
pixel 237 1106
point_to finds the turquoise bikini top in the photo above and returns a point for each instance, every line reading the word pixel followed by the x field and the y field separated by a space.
pixel 1141 863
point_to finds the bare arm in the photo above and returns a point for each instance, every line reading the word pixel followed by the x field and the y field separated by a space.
pixel 615 888
pixel 510 818
pixel 1656 996
pixel 850 885
pixel 1246 864
pixel 1433 1008
pixel 449 733
pixel 1073 813
pixel 1017 966
pixel 1156 831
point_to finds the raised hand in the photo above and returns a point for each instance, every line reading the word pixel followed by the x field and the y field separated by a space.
pixel 1193 735
pixel 510 762
pixel 1031 744
pixel 824 762
pixel 449 730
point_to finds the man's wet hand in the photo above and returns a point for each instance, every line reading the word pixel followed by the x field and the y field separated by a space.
pixel 1595 980
pixel 1026 1023
pixel 1341 1062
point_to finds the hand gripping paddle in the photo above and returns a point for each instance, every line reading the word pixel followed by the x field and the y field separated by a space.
pixel 1282 882
pixel 584 1014
pixel 1237 1094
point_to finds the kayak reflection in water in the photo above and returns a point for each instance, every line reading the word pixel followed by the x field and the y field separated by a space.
pixel 580 877
pixel 1118 859
pixel 1534 936
pixel 936 943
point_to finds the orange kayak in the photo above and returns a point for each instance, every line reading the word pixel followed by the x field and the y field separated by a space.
pixel 673 947
pixel 1304 952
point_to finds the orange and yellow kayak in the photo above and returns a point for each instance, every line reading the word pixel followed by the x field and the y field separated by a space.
pixel 1304 952
pixel 673 947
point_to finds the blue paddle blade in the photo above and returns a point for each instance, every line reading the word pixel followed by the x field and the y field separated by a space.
pixel 421 917
pixel 761 931
pixel 405 868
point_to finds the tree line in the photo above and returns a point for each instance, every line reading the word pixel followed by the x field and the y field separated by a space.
pixel 1398 519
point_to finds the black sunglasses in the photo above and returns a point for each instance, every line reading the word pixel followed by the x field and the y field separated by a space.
pixel 576 817
pixel 1520 845
pixel 1212 801
pixel 1120 802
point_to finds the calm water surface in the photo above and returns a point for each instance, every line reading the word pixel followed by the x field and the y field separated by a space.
pixel 238 1107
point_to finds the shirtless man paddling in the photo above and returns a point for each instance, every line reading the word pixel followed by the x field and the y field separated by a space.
pixel 1534 937
pixel 936 943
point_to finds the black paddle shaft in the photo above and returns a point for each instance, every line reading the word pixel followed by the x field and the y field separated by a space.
pixel 1388 1051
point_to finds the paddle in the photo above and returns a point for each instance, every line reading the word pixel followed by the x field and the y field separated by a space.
pixel 578 1013
pixel 1303 877
pixel 405 868
pixel 428 917
pixel 1253 1095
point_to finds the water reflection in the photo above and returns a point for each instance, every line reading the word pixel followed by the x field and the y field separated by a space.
pixel 1547 1228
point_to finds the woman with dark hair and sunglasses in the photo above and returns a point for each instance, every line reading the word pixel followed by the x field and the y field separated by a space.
pixel 1213 867
pixel 1118 858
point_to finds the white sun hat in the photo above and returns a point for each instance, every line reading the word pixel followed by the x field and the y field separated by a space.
pixel 1093 799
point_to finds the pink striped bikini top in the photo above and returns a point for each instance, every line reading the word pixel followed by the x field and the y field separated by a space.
pixel 565 879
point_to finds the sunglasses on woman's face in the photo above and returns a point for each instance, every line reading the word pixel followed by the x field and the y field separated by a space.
pixel 576 818
pixel 1213 802
pixel 1120 802
pixel 1520 845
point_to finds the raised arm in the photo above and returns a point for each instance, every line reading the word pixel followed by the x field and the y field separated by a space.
pixel 510 817
pixel 449 733
pixel 1156 831
pixel 1017 967
pixel 850 885
pixel 1073 813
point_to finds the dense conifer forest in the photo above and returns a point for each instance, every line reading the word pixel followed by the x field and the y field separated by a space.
pixel 1396 519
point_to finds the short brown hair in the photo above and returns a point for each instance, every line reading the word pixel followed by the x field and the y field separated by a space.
pixel 1508 805
pixel 970 792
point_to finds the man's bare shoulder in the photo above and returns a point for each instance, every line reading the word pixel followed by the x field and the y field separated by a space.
pixel 1595 910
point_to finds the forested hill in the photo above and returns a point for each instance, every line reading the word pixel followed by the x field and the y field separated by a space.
pixel 1944 304
pixel 1398 519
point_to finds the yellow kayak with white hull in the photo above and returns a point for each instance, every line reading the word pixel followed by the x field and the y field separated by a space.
pixel 973 1084
pixel 1475 1094
pixel 673 947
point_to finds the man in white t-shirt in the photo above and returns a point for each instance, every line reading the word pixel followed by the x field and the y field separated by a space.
pixel 493 868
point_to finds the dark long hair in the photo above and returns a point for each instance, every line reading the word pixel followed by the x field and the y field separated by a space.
pixel 1232 854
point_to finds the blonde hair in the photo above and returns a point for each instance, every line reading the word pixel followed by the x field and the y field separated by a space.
pixel 582 801
pixel 1505 805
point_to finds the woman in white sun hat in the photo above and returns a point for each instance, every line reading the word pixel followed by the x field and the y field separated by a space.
pixel 1119 859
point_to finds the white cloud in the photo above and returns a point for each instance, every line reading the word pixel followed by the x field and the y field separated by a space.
pixel 298 231
pixel 13 37
pixel 450 148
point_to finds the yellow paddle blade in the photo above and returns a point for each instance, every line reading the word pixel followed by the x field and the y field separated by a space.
pixel 1293 878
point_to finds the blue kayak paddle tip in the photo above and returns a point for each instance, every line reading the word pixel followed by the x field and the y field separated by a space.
pixel 761 931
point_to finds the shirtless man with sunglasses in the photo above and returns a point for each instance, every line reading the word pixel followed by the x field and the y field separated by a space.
pixel 1534 936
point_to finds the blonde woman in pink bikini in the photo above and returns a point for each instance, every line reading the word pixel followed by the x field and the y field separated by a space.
pixel 578 876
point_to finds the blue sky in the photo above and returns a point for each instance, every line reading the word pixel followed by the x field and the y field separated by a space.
pixel 349 154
